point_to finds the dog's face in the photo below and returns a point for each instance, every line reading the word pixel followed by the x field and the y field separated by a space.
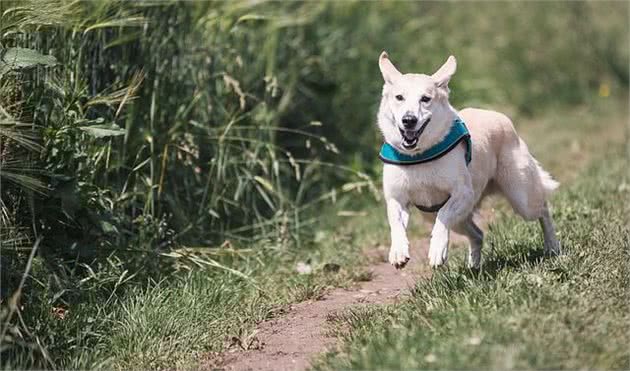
pixel 414 105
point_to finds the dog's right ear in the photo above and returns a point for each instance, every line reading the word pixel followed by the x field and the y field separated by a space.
pixel 390 73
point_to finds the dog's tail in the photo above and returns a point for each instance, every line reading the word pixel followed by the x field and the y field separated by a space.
pixel 549 184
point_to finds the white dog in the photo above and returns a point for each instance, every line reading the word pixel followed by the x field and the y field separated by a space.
pixel 428 164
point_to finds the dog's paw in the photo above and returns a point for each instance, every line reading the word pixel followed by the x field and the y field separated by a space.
pixel 552 248
pixel 399 255
pixel 438 250
pixel 474 258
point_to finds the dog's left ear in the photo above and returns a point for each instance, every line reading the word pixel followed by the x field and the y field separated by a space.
pixel 443 75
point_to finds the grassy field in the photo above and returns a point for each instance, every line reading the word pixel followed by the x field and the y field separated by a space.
pixel 515 308
pixel 160 186
pixel 187 317
pixel 522 311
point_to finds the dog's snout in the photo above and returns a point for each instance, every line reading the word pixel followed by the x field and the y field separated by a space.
pixel 409 120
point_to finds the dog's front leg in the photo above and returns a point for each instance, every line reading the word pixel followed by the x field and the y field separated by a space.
pixel 458 207
pixel 398 217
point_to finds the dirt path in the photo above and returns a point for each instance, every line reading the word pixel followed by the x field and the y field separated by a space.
pixel 289 342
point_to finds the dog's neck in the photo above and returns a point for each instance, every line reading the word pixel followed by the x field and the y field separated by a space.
pixel 438 128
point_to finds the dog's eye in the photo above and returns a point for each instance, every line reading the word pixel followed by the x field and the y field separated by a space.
pixel 400 97
pixel 425 99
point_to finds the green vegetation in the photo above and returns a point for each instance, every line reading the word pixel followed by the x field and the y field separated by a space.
pixel 521 311
pixel 120 321
pixel 165 166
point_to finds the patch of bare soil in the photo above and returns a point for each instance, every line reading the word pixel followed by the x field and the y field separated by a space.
pixel 290 341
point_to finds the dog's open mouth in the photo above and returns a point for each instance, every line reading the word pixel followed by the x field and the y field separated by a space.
pixel 410 137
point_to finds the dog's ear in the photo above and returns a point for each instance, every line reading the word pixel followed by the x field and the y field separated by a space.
pixel 443 75
pixel 390 73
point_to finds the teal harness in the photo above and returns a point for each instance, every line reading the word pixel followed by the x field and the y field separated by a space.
pixel 457 134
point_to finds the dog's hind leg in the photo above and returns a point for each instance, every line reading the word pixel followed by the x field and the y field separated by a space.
pixel 552 245
pixel 527 186
pixel 474 234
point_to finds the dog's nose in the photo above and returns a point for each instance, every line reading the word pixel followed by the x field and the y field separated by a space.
pixel 409 121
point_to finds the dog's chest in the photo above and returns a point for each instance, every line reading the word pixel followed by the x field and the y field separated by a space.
pixel 422 185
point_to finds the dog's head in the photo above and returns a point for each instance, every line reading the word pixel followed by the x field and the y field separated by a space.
pixel 415 112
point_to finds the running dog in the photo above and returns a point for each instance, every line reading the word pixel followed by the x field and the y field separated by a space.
pixel 445 161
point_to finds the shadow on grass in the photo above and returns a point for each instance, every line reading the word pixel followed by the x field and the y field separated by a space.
pixel 522 254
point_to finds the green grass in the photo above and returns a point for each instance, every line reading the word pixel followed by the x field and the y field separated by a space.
pixel 517 306
pixel 190 317
pixel 520 311
pixel 154 140
pixel 116 320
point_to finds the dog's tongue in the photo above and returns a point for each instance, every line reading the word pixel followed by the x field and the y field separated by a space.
pixel 409 135
pixel 410 138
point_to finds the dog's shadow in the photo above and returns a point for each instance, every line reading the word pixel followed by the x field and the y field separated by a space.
pixel 519 256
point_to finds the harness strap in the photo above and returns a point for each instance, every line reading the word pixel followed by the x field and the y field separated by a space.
pixel 434 208
pixel 458 132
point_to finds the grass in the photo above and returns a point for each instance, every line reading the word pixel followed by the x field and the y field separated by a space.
pixel 522 311
pixel 190 317
pixel 156 145
pixel 119 321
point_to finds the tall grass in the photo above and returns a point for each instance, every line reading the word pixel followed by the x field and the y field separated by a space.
pixel 129 130
pixel 194 121
pixel 158 126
